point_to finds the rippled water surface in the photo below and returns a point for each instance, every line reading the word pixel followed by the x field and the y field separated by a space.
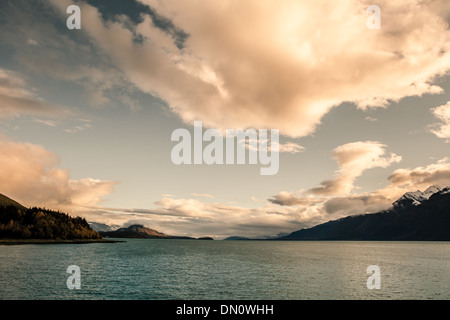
pixel 196 269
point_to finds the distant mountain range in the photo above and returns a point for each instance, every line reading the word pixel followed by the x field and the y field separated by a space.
pixel 416 198
pixel 279 235
pixel 139 231
pixel 97 226
pixel 20 223
pixel 420 216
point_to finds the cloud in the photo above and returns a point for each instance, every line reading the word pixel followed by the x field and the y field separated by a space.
pixel 422 177
pixel 334 196
pixel 18 98
pixel 371 119
pixel 48 123
pixel 338 206
pixel 308 210
pixel 356 204
pixel 167 195
pixel 276 65
pixel 443 114
pixel 399 182
pixel 232 65
pixel 288 147
pixel 44 47
pixel 193 217
pixel 88 191
pixel 31 175
pixel 286 198
pixel 353 159
pixel 78 128
pixel 285 212
pixel 203 195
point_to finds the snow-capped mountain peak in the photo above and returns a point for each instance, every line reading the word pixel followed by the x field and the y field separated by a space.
pixel 445 190
pixel 415 198
pixel 432 190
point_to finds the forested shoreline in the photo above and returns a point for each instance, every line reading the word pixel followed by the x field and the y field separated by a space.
pixel 38 223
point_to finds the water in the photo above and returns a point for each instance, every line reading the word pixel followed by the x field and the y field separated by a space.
pixel 239 270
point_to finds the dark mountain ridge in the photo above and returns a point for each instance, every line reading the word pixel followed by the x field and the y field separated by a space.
pixel 416 216
pixel 6 202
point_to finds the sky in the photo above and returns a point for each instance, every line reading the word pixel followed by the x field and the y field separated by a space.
pixel 87 115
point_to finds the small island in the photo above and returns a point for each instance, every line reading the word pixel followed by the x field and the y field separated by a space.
pixel 142 232
pixel 21 225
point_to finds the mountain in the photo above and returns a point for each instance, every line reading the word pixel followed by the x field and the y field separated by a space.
pixel 139 231
pixel 97 226
pixel 415 198
pixel 237 238
pixel 420 216
pixel 279 235
pixel 134 231
pixel 5 202
pixel 19 222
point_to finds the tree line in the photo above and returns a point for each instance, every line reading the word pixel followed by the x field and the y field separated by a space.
pixel 38 223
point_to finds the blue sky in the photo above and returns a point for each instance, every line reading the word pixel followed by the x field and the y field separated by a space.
pixel 86 115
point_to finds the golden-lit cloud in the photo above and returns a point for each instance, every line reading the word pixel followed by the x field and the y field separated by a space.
pixel 356 204
pixel 285 212
pixel 422 177
pixel 31 175
pixel 261 64
pixel 400 182
pixel 443 114
pixel 275 64
pixel 286 198
pixel 181 216
pixel 353 159
pixel 335 196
